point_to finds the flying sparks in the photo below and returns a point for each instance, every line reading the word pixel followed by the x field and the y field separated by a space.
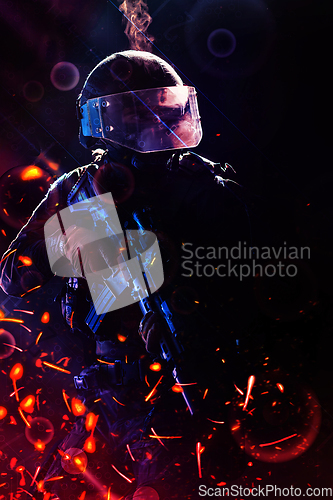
pixel 279 441
pixel 12 320
pixel 15 374
pixel 13 346
pixel 153 389
pixel 130 453
pixel 198 452
pixel 122 475
pixel 250 384
pixel 55 367
pixel 23 418
pixel 158 438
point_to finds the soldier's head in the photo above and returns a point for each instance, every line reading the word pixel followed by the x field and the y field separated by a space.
pixel 135 104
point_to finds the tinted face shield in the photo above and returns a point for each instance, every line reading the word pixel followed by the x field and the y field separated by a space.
pixel 146 120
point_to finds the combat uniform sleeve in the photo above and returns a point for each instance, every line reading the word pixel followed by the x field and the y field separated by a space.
pixel 24 267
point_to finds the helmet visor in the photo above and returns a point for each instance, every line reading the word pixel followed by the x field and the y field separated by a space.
pixel 146 120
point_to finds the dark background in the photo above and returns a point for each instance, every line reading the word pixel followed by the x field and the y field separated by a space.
pixel 265 111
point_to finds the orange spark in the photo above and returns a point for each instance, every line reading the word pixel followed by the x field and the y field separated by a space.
pixel 31 289
pixel 3 412
pixel 45 318
pixel 109 493
pixel 23 418
pixel 130 453
pixel 122 475
pixel 26 261
pixel 35 475
pixel 83 495
pixel 153 389
pixel 54 478
pixel 64 395
pixel 8 254
pixel 164 437
pixel 116 400
pixel 55 367
pixel 239 390
pixel 39 336
pixel 215 421
pixel 198 448
pixel 27 404
pixel 23 311
pixel 278 441
pixel 205 394
pixel 280 387
pixel 250 384
pixel 3 232
pixel 23 326
pixel 158 438
pixel 105 362
pixel 12 320
pixel 14 347
pixel 155 367
pixel 78 407
pixel 121 338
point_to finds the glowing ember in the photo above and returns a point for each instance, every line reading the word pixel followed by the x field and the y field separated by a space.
pixel 3 412
pixel 280 387
pixel 155 367
pixel 45 318
pixel 121 338
pixel 31 172
pixel 91 421
pixel 39 445
pixel 90 445
pixel 177 388
pixel 78 407
pixel 27 404
pixel 26 261
pixel 15 374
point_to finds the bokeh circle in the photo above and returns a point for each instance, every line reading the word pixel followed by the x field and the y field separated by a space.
pixel 221 42
pixel 65 76
pixel 21 189
pixel 33 91
pixel 6 338
pixel 41 430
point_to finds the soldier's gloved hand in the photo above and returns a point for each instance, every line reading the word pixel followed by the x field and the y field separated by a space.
pixel 150 329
